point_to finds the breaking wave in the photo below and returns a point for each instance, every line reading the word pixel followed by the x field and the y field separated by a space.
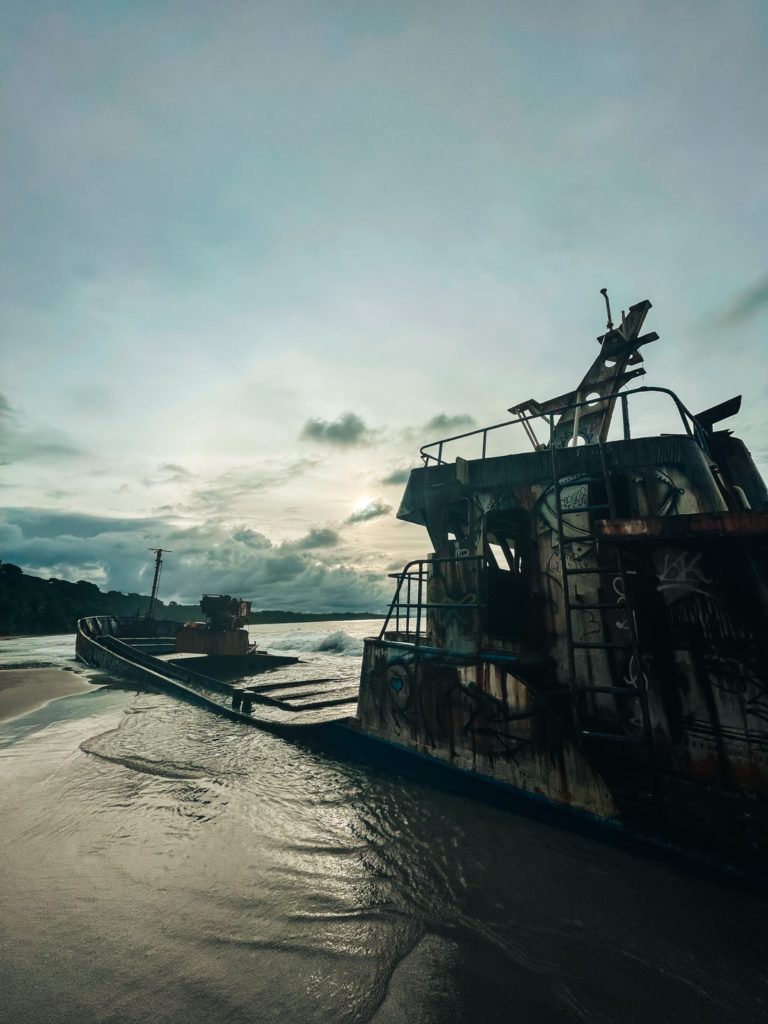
pixel 339 642
pixel 305 641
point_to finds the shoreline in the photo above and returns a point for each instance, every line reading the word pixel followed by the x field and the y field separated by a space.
pixel 28 689
pixel 34 636
pixel 270 619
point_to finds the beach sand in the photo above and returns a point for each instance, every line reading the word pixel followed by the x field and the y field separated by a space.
pixel 26 689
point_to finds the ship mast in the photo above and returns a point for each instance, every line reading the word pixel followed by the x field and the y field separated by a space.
pixel 585 414
pixel 159 552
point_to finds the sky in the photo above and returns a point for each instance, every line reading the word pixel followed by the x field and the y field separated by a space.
pixel 256 253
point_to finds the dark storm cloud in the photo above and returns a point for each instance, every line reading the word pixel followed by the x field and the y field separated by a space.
pixel 201 559
pixel 110 552
pixel 398 476
pixel 348 429
pixel 746 304
pixel 443 423
pixel 44 523
pixel 372 511
pixel 316 538
pixel 277 568
pixel 252 538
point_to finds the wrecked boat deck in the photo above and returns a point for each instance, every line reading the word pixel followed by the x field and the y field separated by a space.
pixel 275 692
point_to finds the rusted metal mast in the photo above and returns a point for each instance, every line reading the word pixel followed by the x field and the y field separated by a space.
pixel 159 552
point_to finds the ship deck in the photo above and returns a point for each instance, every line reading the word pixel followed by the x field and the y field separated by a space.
pixel 275 692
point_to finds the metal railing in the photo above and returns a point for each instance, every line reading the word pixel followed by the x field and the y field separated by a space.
pixel 690 424
pixel 411 598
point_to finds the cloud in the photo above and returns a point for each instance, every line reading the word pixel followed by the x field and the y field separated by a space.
pixel 372 510
pixel 277 568
pixel 39 446
pixel 252 539
pixel 207 558
pixel 348 429
pixel 174 473
pixel 397 476
pixel 168 473
pixel 222 493
pixel 444 423
pixel 746 304
pixel 46 524
pixel 316 538
pixel 22 443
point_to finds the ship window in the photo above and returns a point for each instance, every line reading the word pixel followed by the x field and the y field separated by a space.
pixel 506 536
pixel 508 603
pixel 458 519
pixel 504 553
pixel 500 557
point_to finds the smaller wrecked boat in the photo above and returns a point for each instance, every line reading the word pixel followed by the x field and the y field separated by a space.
pixel 590 626
pixel 214 664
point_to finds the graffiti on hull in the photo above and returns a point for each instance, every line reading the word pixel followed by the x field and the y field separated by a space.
pixel 422 699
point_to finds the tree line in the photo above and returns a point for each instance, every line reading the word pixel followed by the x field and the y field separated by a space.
pixel 31 605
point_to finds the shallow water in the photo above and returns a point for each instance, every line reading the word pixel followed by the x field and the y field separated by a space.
pixel 162 864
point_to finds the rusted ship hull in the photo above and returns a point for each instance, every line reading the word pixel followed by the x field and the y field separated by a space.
pixel 591 625
pixel 473 716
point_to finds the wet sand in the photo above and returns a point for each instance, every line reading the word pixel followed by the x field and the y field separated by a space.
pixel 27 689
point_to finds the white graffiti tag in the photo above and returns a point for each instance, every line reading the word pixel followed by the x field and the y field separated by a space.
pixel 635 679
pixel 683 573
pixel 621 601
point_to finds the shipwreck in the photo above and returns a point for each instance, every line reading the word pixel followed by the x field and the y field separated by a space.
pixel 588 628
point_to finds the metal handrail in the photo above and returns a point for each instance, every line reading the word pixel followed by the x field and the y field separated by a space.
pixel 408 577
pixel 692 427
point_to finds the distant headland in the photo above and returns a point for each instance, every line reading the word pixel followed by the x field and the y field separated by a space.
pixel 30 605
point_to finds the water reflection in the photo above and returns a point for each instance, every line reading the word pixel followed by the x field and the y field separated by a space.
pixel 162 864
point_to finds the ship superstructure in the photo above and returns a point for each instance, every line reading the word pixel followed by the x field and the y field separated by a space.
pixel 591 624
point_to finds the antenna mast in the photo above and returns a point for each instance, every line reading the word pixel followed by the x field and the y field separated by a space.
pixel 604 293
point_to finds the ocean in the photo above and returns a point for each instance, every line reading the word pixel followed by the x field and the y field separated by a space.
pixel 161 864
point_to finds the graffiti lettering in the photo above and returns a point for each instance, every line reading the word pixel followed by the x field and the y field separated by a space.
pixel 635 677
pixel 590 625
pixel 683 573
pixel 574 497
pixel 621 601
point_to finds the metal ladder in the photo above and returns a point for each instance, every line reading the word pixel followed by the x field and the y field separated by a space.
pixel 635 689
